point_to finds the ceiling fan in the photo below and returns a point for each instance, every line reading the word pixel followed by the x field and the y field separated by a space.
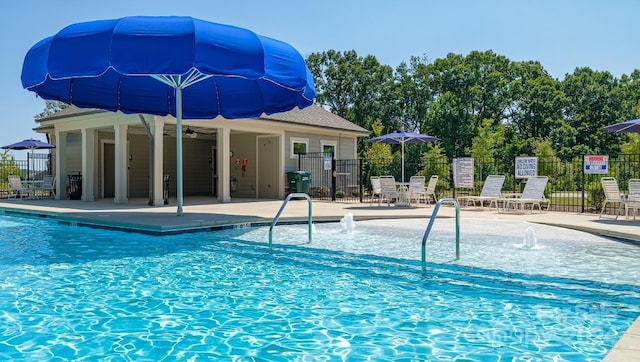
pixel 190 133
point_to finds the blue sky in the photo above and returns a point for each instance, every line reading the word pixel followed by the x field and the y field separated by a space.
pixel 561 34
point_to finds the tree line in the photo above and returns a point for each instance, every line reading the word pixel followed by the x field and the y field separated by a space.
pixel 481 104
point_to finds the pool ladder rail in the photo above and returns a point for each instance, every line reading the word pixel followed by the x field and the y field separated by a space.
pixel 433 218
pixel 286 200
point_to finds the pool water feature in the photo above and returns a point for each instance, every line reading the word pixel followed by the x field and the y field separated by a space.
pixel 75 292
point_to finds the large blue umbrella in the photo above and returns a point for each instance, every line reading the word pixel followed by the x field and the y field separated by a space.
pixel 185 67
pixel 402 138
pixel 632 126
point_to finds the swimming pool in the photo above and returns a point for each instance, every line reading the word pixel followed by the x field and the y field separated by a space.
pixel 74 292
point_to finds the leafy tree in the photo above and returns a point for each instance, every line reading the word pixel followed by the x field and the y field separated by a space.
pixel 50 108
pixel 593 102
pixel 349 85
pixel 8 166
pixel 632 147
pixel 378 152
pixel 436 162
pixel 537 101
pixel 413 95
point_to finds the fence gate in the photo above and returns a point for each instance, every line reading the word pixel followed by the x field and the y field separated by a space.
pixel 332 179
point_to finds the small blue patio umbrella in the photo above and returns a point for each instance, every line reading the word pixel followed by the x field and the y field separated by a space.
pixel 29 144
pixel 402 138
pixel 632 126
pixel 179 66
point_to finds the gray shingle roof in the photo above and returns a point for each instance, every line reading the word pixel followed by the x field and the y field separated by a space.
pixel 311 116
pixel 315 116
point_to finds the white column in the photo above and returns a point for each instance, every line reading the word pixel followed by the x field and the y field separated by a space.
pixel 157 128
pixel 61 165
pixel 223 140
pixel 121 164
pixel 282 157
pixel 88 162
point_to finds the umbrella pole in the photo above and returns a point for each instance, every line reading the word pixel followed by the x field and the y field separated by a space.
pixel 179 149
pixel 403 162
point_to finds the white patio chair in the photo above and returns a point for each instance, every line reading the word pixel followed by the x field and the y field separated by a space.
pixel 633 198
pixel 611 194
pixel 533 194
pixel 388 189
pixel 17 188
pixel 376 189
pixel 417 191
pixel 431 189
pixel 491 192
pixel 48 186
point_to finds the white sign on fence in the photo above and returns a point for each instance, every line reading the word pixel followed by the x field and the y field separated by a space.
pixel 596 164
pixel 526 167
pixel 327 163
pixel 463 172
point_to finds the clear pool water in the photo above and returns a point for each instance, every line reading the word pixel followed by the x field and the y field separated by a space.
pixel 76 293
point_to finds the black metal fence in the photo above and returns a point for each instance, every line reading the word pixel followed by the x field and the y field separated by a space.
pixel 570 188
pixel 34 168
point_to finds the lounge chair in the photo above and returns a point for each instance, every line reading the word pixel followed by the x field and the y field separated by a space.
pixel 491 192
pixel 376 189
pixel 612 195
pixel 17 188
pixel 533 194
pixel 388 189
pixel 417 191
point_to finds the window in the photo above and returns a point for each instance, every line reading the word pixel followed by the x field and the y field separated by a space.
pixel 299 146
pixel 328 147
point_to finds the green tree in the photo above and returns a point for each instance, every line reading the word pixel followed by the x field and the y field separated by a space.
pixel 8 166
pixel 632 146
pixel 349 85
pixel 50 108
pixel 436 162
pixel 378 152
pixel 594 101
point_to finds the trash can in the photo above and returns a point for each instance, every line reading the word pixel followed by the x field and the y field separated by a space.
pixel 233 184
pixel 299 181
pixel 75 186
pixel 165 189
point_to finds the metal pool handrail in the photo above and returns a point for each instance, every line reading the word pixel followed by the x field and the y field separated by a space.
pixel 286 200
pixel 433 218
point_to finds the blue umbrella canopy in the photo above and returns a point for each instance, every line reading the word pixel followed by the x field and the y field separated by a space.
pixel 135 65
pixel 402 138
pixel 632 126
pixel 179 66
pixel 29 144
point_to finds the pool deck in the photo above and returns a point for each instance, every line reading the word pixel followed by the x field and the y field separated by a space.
pixel 203 214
